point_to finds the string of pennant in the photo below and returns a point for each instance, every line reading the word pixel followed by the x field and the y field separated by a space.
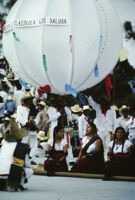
pixel 16 38
pixel 73 92
pixel 23 84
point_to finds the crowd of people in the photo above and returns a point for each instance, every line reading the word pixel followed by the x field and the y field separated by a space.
pixel 93 138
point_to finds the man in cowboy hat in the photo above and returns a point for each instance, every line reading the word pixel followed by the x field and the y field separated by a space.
pixel 27 120
pixel 74 122
pixel 83 120
pixel 14 156
pixel 125 118
pixel 42 117
pixel 42 141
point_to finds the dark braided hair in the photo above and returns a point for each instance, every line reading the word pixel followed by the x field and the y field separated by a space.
pixel 56 130
pixel 94 128
pixel 124 138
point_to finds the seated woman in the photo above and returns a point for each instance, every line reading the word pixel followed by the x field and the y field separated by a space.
pixel 56 152
pixel 119 161
pixel 91 158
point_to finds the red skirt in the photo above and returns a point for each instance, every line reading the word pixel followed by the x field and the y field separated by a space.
pixel 54 165
pixel 122 165
pixel 91 165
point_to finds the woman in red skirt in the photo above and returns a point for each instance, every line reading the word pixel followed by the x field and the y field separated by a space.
pixel 91 159
pixel 56 152
pixel 119 160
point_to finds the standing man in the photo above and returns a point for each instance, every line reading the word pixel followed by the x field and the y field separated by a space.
pixel 105 120
pixel 26 119
pixel 53 117
pixel 125 118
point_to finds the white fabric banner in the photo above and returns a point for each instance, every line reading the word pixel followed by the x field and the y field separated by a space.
pixel 24 23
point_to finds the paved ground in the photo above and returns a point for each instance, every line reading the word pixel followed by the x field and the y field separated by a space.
pixel 67 188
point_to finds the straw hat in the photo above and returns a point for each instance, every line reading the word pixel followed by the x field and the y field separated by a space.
pixel 124 107
pixel 86 107
pixel 9 98
pixel 27 95
pixel 6 119
pixel 13 132
pixel 42 103
pixel 76 108
pixel 115 108
pixel 41 135
pixel 10 77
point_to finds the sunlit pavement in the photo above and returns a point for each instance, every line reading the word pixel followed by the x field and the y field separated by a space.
pixel 67 188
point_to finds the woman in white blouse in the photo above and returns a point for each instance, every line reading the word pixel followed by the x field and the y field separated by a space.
pixel 91 159
pixel 56 152
pixel 119 160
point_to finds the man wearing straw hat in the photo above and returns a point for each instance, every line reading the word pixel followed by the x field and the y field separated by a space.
pixel 74 122
pixel 42 118
pixel 125 118
pixel 83 120
pixel 25 120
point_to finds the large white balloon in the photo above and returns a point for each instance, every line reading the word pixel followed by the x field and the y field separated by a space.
pixel 61 42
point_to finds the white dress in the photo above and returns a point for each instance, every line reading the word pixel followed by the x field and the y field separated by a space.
pixel 6 155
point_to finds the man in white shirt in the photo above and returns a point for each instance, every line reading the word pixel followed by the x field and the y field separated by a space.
pixel 83 120
pixel 53 117
pixel 18 93
pixel 123 120
pixel 130 126
pixel 105 121
pixel 25 120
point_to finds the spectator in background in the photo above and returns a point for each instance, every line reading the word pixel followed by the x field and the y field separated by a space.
pixel 42 118
pixel 10 105
pixel 105 120
pixel 2 109
pixel 83 121
pixel 53 116
pixel 18 93
pixel 125 118
pixel 25 116
pixel 4 126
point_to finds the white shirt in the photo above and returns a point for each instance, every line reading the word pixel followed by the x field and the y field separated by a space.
pixel 53 116
pixel 22 115
pixel 18 94
pixel 91 148
pixel 68 111
pixel 6 154
pixel 118 147
pixel 58 146
pixel 130 125
pixel 104 122
pixel 82 125
pixel 122 121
